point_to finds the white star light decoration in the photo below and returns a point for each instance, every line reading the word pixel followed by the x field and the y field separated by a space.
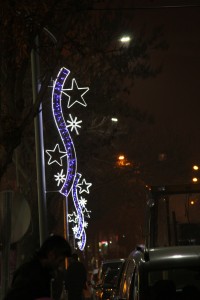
pixel 73 217
pixel 84 186
pixel 72 99
pixel 68 180
pixel 54 155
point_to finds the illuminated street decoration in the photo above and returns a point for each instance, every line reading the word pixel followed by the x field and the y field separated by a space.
pixel 60 177
pixel 73 91
pixel 53 154
pixel 84 186
pixel 68 180
pixel 74 124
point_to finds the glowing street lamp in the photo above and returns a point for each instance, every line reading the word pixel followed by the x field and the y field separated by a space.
pixel 122 161
pixel 194 179
pixel 121 157
pixel 195 167
pixel 114 119
pixel 125 39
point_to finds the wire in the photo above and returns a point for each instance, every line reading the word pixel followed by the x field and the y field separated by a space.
pixel 147 7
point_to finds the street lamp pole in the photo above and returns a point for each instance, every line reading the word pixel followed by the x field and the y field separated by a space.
pixel 39 144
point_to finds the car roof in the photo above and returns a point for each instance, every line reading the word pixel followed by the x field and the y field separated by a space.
pixel 168 257
pixel 179 255
pixel 112 260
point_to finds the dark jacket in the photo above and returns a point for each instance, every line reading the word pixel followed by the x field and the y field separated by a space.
pixel 30 281
pixel 75 280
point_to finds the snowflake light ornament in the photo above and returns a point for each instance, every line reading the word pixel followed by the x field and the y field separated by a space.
pixel 74 124
pixel 60 177
pixel 83 202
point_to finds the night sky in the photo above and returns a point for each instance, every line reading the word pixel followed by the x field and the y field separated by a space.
pixel 173 97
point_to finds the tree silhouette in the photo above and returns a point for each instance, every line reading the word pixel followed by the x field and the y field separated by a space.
pixel 78 35
pixel 84 39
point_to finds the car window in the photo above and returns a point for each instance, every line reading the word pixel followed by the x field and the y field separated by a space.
pixel 110 278
pixel 107 266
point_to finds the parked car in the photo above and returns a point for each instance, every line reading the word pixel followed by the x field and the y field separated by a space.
pixel 93 280
pixel 115 289
pixel 108 278
pixel 161 274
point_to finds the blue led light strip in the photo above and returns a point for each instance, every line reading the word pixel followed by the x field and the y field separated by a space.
pixel 63 131
pixel 78 208
pixel 81 244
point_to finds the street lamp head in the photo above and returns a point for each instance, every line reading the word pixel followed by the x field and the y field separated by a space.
pixel 194 179
pixel 125 39
pixel 114 119
pixel 121 157
pixel 195 167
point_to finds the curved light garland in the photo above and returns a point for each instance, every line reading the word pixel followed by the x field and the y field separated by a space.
pixel 78 207
pixel 63 131
pixel 79 233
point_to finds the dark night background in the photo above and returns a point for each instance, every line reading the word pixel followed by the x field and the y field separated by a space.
pixel 172 98
pixel 158 120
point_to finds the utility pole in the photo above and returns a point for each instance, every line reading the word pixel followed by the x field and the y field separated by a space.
pixel 39 144
pixel 6 198
pixel 39 139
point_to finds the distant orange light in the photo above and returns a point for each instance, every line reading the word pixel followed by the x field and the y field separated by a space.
pixel 121 157
pixel 192 202
pixel 194 179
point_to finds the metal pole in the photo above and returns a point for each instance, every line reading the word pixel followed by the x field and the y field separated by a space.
pixel 65 224
pixel 39 144
pixel 65 217
pixel 6 206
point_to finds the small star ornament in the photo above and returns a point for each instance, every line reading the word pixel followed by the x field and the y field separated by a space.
pixel 55 155
pixel 84 186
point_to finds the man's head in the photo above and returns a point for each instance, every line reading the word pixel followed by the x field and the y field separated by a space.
pixel 73 258
pixel 54 250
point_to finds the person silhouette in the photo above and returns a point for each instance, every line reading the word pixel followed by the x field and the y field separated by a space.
pixel 32 280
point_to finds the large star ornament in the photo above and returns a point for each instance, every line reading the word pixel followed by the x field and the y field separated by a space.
pixel 75 94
